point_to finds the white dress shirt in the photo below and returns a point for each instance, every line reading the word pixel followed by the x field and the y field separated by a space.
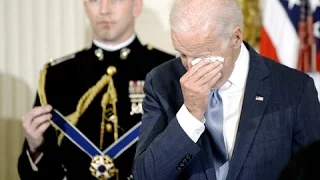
pixel 232 93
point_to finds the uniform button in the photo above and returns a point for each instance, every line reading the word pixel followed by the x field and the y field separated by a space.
pixel 182 164
pixel 188 156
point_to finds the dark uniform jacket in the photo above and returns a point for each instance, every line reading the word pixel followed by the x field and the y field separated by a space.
pixel 65 84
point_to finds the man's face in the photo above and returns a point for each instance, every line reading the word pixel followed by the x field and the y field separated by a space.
pixel 201 43
pixel 112 21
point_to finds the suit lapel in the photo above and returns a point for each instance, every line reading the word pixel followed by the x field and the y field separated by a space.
pixel 255 100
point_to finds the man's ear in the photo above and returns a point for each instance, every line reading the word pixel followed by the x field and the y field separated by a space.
pixel 137 7
pixel 237 38
pixel 85 6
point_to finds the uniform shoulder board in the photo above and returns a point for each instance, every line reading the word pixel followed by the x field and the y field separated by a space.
pixel 54 62
pixel 149 47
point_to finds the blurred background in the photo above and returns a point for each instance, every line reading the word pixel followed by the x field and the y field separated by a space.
pixel 33 31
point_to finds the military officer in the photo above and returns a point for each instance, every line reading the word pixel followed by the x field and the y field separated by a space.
pixel 98 90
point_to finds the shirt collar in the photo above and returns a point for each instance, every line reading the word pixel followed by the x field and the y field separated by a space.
pixel 239 74
pixel 117 47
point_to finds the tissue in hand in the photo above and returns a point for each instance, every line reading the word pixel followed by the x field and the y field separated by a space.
pixel 211 58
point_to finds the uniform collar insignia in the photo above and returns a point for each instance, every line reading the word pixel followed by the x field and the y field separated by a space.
pixel 124 53
pixel 99 53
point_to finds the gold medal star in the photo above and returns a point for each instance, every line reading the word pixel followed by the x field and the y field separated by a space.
pixel 101 167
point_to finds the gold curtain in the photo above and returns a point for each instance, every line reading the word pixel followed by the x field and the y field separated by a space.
pixel 251 21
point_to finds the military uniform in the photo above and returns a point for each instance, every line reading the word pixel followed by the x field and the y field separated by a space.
pixel 66 81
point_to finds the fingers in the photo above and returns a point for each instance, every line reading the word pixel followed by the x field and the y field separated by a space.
pixel 205 70
pixel 202 73
pixel 35 118
pixel 35 112
pixel 42 128
pixel 194 70
pixel 212 76
pixel 212 81
pixel 39 120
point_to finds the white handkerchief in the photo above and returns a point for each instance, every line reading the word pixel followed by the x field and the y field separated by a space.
pixel 211 58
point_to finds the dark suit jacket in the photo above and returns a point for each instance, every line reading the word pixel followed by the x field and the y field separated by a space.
pixel 304 165
pixel 269 132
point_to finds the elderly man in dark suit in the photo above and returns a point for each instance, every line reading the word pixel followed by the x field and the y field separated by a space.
pixel 232 115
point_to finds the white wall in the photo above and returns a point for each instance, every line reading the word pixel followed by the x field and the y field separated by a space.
pixel 153 24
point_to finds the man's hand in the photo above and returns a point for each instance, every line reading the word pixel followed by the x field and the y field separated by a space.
pixel 196 85
pixel 35 123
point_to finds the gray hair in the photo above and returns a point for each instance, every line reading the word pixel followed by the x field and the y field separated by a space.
pixel 225 15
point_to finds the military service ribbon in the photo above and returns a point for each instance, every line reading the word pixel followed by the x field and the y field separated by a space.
pixel 136 95
pixel 102 166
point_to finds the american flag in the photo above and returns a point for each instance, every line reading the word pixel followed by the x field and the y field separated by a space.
pixel 291 34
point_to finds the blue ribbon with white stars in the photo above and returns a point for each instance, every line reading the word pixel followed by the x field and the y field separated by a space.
pixel 80 140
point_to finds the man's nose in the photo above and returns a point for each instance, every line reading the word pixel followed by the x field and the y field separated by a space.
pixel 106 7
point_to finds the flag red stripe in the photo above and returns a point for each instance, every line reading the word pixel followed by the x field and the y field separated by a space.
pixel 318 62
pixel 266 47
